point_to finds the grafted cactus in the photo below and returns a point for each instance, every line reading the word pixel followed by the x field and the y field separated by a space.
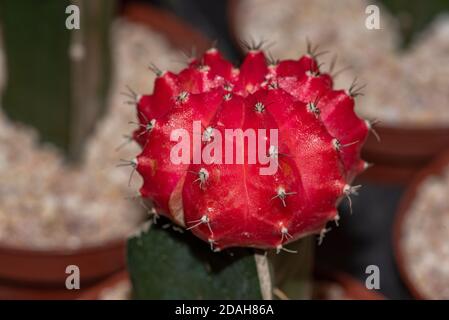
pixel 316 149
pixel 232 202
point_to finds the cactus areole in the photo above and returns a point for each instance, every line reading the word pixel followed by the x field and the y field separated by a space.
pixel 230 203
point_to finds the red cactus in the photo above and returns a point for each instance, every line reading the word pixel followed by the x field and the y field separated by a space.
pixel 232 204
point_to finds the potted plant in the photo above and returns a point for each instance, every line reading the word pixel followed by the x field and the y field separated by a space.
pixel 233 228
pixel 31 269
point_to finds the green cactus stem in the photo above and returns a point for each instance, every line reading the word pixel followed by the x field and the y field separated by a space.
pixel 57 78
pixel 166 264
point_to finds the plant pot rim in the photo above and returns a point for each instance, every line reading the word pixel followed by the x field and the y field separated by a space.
pixel 178 32
pixel 402 129
pixel 56 252
pixel 24 267
pixel 435 168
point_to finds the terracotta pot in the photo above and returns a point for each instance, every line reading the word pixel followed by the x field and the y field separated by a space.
pixel 31 274
pixel 435 168
pixel 402 152
pixel 180 34
pixel 48 267
pixel 10 291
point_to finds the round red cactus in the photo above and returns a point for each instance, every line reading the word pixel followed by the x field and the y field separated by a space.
pixel 233 204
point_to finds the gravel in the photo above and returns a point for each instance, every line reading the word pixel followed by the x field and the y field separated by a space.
pixel 406 89
pixel 424 237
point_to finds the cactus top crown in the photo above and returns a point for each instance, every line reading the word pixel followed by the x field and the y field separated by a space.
pixel 316 148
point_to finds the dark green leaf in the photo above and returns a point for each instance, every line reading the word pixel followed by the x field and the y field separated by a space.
pixel 165 264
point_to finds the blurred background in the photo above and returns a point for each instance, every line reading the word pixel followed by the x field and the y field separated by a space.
pixel 64 126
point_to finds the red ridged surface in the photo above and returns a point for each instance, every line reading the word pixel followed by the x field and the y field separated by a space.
pixel 319 143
